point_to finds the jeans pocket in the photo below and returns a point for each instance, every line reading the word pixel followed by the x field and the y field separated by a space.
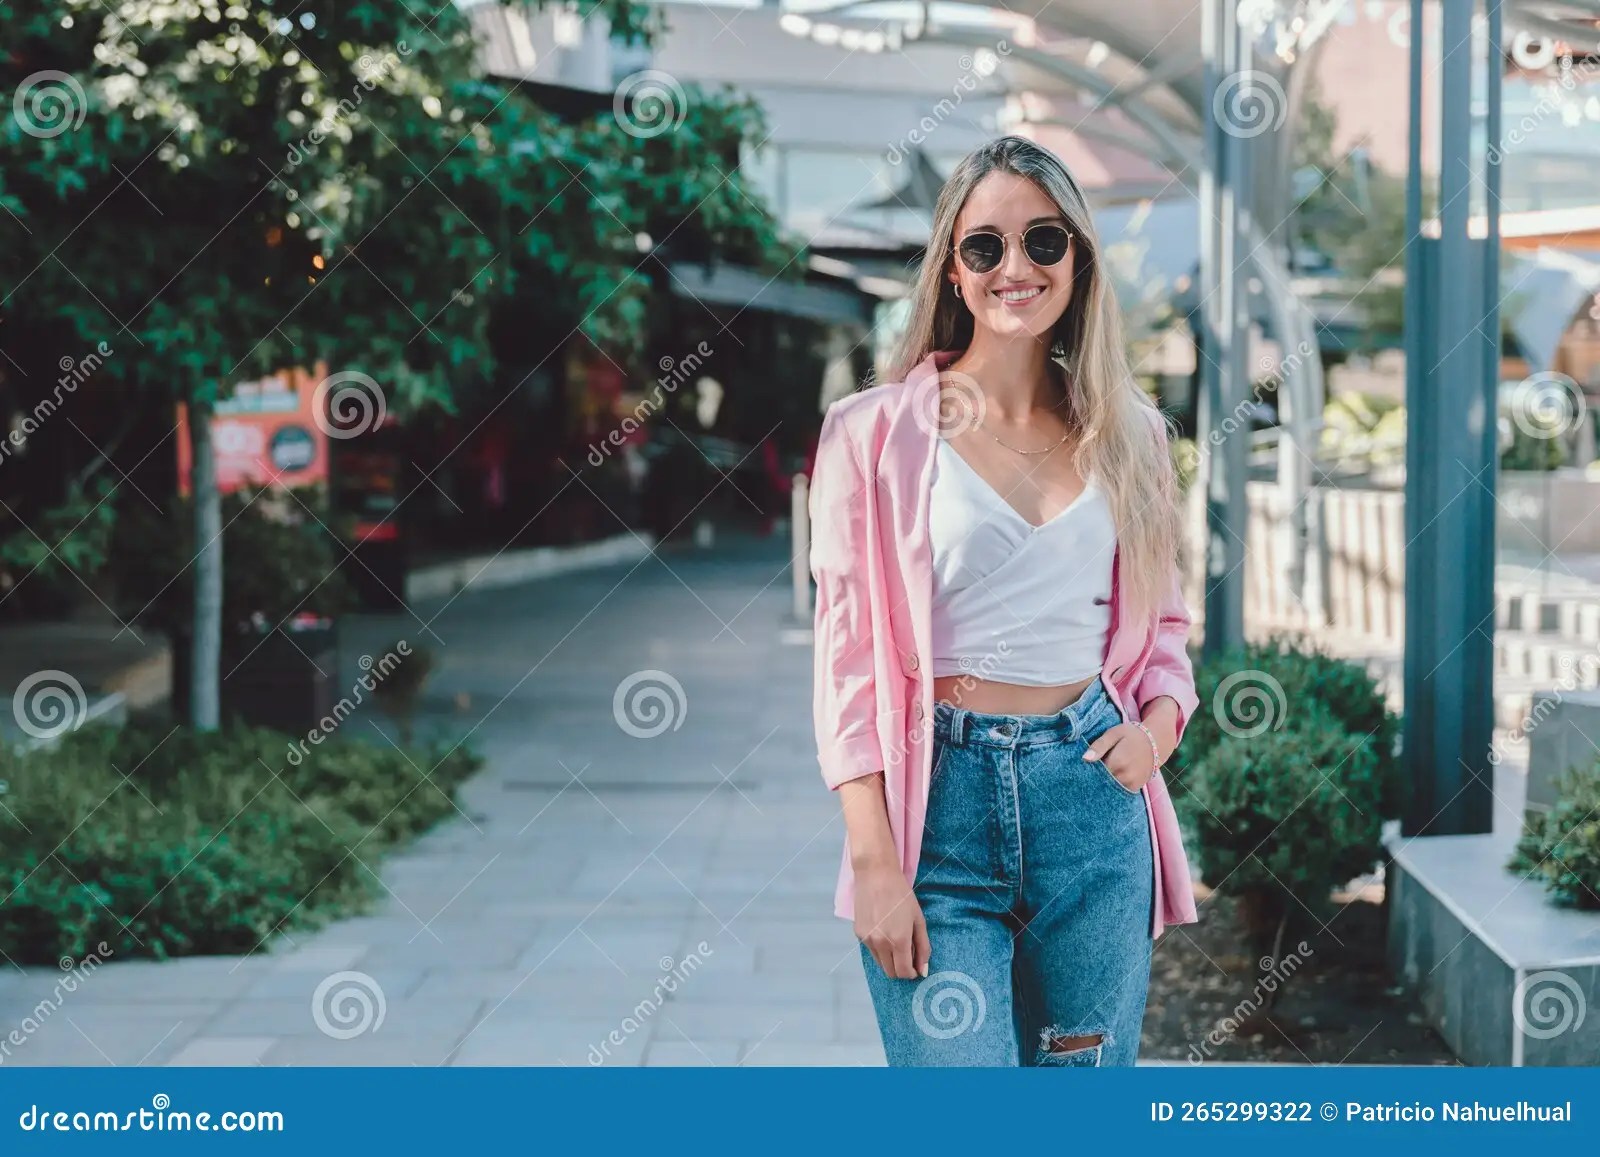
pixel 1103 721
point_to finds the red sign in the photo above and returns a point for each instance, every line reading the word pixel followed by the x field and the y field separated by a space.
pixel 268 433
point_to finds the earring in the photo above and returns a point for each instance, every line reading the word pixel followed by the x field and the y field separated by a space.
pixel 956 285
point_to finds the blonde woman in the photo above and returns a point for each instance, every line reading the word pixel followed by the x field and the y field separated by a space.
pixel 1000 644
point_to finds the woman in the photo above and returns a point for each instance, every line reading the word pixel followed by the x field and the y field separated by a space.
pixel 1000 666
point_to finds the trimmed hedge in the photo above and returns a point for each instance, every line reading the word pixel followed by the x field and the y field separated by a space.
pixel 1562 847
pixel 1285 775
pixel 213 842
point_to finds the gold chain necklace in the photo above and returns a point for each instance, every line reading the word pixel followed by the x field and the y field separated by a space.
pixel 1020 450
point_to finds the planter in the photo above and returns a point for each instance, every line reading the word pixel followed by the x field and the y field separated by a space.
pixel 283 680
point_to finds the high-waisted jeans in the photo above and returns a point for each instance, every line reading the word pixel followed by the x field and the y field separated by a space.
pixel 1036 880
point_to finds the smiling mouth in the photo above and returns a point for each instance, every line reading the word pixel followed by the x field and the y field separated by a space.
pixel 1018 295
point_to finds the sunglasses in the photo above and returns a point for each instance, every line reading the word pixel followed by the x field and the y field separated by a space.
pixel 1044 245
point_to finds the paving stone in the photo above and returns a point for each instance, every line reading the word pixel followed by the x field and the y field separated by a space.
pixel 752 1020
pixel 223 1050
pixel 684 1054
pixel 542 922
pixel 783 1052
pixel 379 1049
pixel 552 1041
pixel 287 1018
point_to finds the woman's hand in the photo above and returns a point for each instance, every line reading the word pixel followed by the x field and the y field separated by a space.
pixel 1131 752
pixel 889 921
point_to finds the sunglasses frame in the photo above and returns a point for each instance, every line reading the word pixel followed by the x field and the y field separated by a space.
pixel 1004 240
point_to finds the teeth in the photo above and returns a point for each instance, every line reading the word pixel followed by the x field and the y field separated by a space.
pixel 1019 294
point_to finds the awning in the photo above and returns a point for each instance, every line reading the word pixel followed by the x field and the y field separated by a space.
pixel 1550 286
pixel 745 288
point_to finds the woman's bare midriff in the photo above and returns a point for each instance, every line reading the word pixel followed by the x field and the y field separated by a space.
pixel 991 698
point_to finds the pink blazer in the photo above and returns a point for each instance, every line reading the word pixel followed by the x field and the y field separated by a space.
pixel 873 698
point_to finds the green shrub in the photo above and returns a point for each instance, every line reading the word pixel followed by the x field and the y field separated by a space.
pixel 1562 847
pixel 1286 772
pixel 1286 816
pixel 212 843
pixel 1273 685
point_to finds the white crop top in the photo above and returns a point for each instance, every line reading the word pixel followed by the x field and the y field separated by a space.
pixel 1012 602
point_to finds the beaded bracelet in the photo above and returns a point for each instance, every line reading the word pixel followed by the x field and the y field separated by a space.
pixel 1155 752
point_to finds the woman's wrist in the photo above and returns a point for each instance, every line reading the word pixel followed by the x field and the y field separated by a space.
pixel 1160 724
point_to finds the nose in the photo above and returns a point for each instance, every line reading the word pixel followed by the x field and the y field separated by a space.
pixel 1015 266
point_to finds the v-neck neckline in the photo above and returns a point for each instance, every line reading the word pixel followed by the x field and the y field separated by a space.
pixel 995 495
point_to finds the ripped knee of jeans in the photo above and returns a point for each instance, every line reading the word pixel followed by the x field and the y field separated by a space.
pixel 1061 1048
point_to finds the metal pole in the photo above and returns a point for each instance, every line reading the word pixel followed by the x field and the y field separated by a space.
pixel 1224 427
pixel 1449 465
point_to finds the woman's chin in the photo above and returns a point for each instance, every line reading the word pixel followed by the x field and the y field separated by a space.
pixel 1014 327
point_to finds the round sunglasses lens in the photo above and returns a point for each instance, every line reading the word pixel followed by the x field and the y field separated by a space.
pixel 1046 244
pixel 981 251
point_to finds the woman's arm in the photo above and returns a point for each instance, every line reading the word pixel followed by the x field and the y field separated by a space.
pixel 888 920
pixel 845 709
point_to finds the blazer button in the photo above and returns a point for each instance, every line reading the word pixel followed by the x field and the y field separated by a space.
pixel 911 660
pixel 917 709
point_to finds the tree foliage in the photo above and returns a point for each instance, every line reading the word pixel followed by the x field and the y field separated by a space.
pixel 222 189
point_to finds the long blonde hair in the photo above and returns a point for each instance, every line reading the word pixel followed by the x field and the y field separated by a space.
pixel 1115 419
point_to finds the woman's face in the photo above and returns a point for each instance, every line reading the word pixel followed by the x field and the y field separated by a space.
pixel 1016 298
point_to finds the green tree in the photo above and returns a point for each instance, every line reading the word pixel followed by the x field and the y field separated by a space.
pixel 223 188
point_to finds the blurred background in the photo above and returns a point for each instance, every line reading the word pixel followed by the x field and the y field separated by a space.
pixel 408 410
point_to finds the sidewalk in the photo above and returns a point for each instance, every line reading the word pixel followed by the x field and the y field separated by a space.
pixel 605 897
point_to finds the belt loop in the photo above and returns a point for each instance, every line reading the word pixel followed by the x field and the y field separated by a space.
pixel 958 726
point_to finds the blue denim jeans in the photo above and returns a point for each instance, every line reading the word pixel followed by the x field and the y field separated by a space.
pixel 1036 880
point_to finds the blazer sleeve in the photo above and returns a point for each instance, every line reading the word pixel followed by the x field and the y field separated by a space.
pixel 1168 670
pixel 844 701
